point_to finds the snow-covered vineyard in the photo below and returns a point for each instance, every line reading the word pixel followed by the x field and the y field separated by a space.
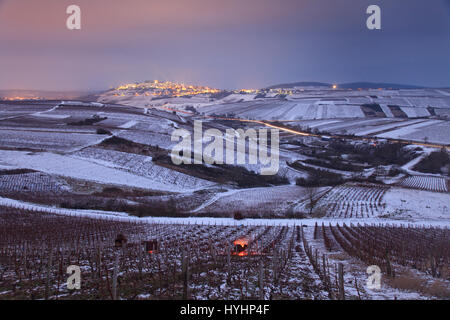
pixel 217 262
pixel 438 184
pixel 31 182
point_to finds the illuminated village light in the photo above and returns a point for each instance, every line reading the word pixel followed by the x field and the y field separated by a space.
pixel 19 98
pixel 168 88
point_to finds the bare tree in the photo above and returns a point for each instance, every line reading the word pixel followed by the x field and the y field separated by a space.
pixel 312 197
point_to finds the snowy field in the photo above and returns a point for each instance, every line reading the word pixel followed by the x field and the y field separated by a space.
pixel 438 220
pixel 278 263
pixel 331 104
pixel 285 110
pixel 58 184
pixel 142 166
pixel 67 166
pixel 433 131
pixel 35 182
pixel 417 205
pixel 411 129
pixel 427 183
pixel 352 201
pixel 438 133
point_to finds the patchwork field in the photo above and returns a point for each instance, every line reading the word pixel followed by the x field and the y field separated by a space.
pixel 53 141
pixel 144 167
pixel 81 169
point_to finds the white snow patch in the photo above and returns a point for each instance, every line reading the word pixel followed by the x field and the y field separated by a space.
pixel 417 205
pixel 129 124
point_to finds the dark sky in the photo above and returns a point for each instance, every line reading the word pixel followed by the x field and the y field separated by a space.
pixel 224 44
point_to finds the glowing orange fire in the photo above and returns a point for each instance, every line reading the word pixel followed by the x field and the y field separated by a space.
pixel 241 247
pixel 241 242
